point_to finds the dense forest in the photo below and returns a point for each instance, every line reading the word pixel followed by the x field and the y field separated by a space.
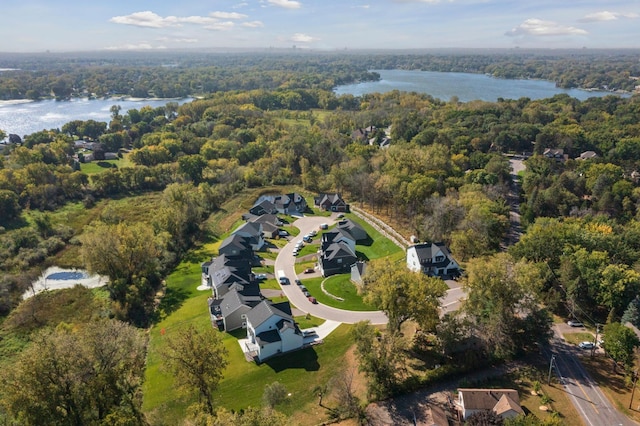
pixel 444 177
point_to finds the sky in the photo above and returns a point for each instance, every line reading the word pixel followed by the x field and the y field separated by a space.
pixel 90 25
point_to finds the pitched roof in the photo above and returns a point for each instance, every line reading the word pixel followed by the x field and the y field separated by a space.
pixel 234 300
pixel 428 250
pixel 354 229
pixel 265 310
pixel 253 229
pixel 270 336
pixel 487 399
pixel 336 251
pixel 506 404
pixel 235 242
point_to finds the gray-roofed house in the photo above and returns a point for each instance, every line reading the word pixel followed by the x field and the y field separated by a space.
pixel 336 258
pixel 331 202
pixel 587 155
pixel 433 259
pixel 236 246
pixel 503 402
pixel 263 206
pixel 354 229
pixel 234 306
pixel 270 224
pixel 291 204
pixel 337 236
pixel 252 231
pixel 271 330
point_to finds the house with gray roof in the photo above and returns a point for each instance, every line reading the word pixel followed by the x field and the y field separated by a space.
pixel 354 229
pixel 236 247
pixel 433 259
pixel 331 202
pixel 292 204
pixel 271 330
pixel 252 231
pixel 336 258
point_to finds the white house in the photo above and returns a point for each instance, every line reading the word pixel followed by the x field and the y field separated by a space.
pixel 432 259
pixel 503 402
pixel 271 330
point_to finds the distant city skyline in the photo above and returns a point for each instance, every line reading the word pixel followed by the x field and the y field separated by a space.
pixel 117 25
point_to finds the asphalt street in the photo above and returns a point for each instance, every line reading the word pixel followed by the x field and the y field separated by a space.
pixel 286 261
pixel 593 406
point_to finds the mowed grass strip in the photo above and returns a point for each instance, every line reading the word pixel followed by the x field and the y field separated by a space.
pixel 338 285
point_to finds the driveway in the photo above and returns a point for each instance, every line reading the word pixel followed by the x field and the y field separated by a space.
pixel 286 261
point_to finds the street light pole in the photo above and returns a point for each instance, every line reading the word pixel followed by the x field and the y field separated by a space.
pixel 595 343
pixel 633 390
pixel 553 358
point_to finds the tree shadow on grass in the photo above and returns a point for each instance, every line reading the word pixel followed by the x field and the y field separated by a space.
pixel 172 300
pixel 305 359
pixel 106 165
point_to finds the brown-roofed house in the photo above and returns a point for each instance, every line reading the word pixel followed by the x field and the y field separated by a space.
pixel 503 402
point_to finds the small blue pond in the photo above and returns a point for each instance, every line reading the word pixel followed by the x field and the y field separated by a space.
pixel 68 275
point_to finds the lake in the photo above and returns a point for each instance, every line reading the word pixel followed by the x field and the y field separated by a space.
pixel 25 117
pixel 466 86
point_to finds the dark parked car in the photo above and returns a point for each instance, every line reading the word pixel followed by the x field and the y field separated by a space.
pixel 309 271
pixel 298 282
pixel 306 293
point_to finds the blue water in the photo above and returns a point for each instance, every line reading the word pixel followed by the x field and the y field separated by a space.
pixel 23 118
pixel 466 86
pixel 67 275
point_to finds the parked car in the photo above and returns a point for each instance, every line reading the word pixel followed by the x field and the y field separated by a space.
pixel 306 293
pixel 302 287
pixel 283 233
pixel 309 271
pixel 313 300
pixel 284 280
pixel 340 216
pixel 324 226
pixel 307 239
pixel 298 282
pixel 261 276
pixel 295 252
pixel 313 233
pixel 586 345
pixel 574 323
pixel 309 333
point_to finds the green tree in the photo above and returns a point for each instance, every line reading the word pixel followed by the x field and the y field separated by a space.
pixel 632 313
pixel 197 360
pixel 403 294
pixel 381 358
pixel 192 167
pixel 274 394
pixel 502 304
pixel 620 343
pixel 9 207
pixel 77 376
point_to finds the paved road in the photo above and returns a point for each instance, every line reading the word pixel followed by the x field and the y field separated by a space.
pixel 285 262
pixel 593 406
pixel 453 299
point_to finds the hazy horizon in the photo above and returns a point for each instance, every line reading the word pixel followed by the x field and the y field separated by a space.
pixel 36 26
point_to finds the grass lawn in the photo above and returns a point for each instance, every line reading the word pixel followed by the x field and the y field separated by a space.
pixel 96 167
pixel 338 285
pixel 576 338
pixel 243 382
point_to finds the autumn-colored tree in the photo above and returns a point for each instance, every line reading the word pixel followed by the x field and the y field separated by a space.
pixel 403 294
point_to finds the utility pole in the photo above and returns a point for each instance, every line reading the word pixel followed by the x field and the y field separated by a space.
pixel 553 359
pixel 633 390
pixel 595 343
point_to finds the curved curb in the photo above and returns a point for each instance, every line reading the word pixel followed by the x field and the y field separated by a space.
pixel 333 296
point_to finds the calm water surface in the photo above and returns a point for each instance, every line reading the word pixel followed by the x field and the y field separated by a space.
pixel 23 118
pixel 467 87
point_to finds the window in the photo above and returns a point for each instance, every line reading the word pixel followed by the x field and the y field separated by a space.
pixel 439 258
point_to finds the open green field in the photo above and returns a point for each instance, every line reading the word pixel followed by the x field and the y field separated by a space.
pixel 96 167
